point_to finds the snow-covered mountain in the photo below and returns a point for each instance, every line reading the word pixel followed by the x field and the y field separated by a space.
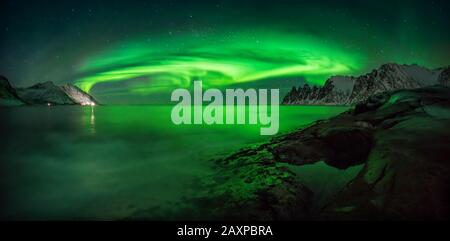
pixel 78 96
pixel 48 93
pixel 45 93
pixel 347 90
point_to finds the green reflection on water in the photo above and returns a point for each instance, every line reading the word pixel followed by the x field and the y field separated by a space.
pixel 106 162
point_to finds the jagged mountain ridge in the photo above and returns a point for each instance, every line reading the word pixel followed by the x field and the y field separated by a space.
pixel 46 93
pixel 349 90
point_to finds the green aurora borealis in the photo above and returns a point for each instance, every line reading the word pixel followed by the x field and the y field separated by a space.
pixel 236 59
pixel 139 51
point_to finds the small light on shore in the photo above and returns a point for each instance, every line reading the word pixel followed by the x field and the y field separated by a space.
pixel 88 103
pixel 48 104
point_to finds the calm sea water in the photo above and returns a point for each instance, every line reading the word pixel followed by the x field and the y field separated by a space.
pixel 106 162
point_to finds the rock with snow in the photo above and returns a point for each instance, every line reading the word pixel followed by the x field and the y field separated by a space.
pixel 387 77
pixel 45 93
pixel 424 76
pixel 78 96
pixel 345 90
pixel 48 93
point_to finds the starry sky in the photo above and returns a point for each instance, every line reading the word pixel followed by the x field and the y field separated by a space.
pixel 139 51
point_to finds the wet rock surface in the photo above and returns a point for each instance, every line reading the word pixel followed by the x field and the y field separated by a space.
pixel 401 138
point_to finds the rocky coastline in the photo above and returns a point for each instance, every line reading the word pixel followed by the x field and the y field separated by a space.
pixel 400 138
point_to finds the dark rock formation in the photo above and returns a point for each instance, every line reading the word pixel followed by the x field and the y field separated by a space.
pixel 444 77
pixel 8 95
pixel 400 137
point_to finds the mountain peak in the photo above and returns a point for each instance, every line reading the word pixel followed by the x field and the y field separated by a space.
pixel 45 93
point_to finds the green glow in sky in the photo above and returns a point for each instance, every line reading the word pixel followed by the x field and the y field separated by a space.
pixel 138 52
pixel 217 60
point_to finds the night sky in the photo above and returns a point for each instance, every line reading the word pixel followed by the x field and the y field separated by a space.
pixel 139 51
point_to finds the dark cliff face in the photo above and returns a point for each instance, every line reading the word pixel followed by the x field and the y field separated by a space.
pixel 444 77
pixel 6 89
pixel 293 95
pixel 8 95
pixel 386 78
